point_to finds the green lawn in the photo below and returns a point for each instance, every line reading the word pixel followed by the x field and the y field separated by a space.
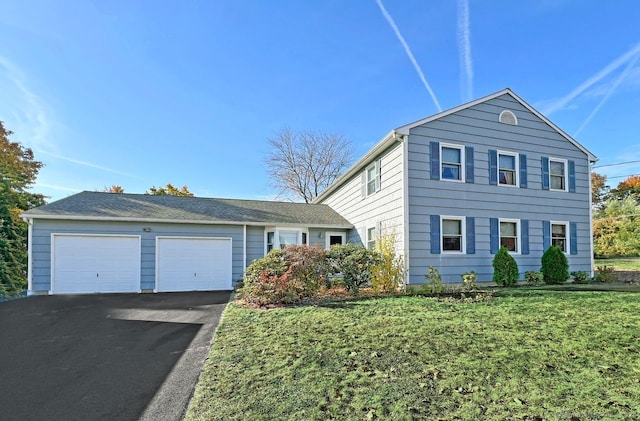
pixel 630 263
pixel 527 353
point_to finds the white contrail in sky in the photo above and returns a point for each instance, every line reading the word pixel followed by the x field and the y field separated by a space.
pixel 85 163
pixel 604 99
pixel 556 105
pixel 464 50
pixel 408 51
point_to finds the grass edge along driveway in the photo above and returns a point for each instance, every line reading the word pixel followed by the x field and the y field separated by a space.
pixel 527 353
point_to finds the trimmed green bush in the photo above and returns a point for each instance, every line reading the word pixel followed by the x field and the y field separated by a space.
pixel 505 268
pixel 555 267
pixel 354 262
pixel 581 277
pixel 533 278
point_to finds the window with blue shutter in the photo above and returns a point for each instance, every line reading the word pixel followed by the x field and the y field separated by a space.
pixel 572 176
pixel 524 230
pixel 435 160
pixel 573 238
pixel 523 171
pixel 545 174
pixel 546 235
pixel 435 234
pixel 468 156
pixel 471 235
pixel 493 167
pixel 494 235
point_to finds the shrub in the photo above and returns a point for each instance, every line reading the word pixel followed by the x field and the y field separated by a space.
pixel 469 281
pixel 354 262
pixel 555 267
pixel 533 278
pixel 273 289
pixel 387 274
pixel 435 285
pixel 604 274
pixel 581 277
pixel 308 265
pixel 505 268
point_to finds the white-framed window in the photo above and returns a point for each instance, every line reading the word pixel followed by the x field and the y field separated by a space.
pixel 371 178
pixel 508 117
pixel 372 236
pixel 508 169
pixel 560 235
pixel 452 231
pixel 280 237
pixel 509 235
pixel 557 174
pixel 451 162
pixel 334 238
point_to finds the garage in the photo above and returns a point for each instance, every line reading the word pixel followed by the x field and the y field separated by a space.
pixel 193 264
pixel 95 263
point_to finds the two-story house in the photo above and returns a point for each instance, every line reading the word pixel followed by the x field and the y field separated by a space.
pixel 452 187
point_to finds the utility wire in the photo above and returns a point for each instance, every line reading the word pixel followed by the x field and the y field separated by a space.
pixel 615 164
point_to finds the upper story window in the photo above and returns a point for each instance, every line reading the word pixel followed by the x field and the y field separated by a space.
pixel 371 179
pixel 508 169
pixel 451 164
pixel 509 229
pixel 508 117
pixel 452 237
pixel 557 174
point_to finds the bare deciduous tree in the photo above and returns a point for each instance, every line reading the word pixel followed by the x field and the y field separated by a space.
pixel 302 164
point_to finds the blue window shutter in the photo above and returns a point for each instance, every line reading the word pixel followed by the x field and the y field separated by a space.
pixel 524 228
pixel 493 167
pixel 435 160
pixel 471 235
pixel 494 235
pixel 435 234
pixel 572 176
pixel 546 235
pixel 523 171
pixel 468 156
pixel 545 174
pixel 573 237
pixel 363 181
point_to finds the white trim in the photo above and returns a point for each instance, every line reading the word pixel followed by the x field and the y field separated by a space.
pixel 518 249
pixel 567 233
pixel 564 162
pixel 516 156
pixel 244 250
pixel 64 234
pixel 369 239
pixel 407 127
pixel 515 118
pixel 185 237
pixel 405 209
pixel 29 256
pixel 328 234
pixel 276 235
pixel 461 148
pixel 174 221
pixel 377 185
pixel 593 262
pixel 463 236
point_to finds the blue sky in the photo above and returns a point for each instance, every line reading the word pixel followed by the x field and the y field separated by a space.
pixel 142 93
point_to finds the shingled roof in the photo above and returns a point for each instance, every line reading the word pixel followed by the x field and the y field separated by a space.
pixel 141 207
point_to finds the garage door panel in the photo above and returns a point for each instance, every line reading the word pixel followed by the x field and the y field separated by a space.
pixel 95 263
pixel 193 264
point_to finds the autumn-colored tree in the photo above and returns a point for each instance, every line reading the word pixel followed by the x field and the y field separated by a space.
pixel 301 164
pixel 169 190
pixel 616 229
pixel 630 187
pixel 113 189
pixel 599 190
pixel 18 171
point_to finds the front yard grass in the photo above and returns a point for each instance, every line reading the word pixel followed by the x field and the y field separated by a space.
pixel 526 354
pixel 629 263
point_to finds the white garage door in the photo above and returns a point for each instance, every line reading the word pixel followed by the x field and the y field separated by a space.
pixel 95 263
pixel 193 264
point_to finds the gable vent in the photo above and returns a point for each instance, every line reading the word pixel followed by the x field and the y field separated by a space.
pixel 508 117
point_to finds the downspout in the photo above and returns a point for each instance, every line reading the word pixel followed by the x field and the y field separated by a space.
pixel 244 250
pixel 405 207
pixel 592 259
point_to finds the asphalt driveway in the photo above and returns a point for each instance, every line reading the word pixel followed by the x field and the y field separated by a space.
pixel 104 357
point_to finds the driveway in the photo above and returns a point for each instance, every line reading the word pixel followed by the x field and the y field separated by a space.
pixel 104 357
